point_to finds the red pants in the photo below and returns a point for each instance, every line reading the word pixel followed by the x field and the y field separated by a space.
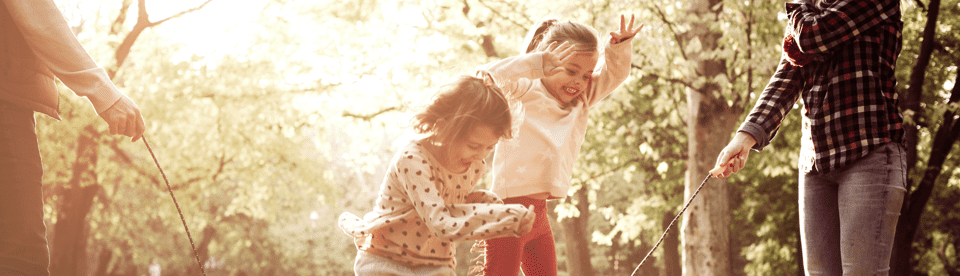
pixel 535 251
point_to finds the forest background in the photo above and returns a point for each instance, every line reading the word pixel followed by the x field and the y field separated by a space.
pixel 272 117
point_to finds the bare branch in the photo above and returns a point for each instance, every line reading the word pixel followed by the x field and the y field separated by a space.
pixel 737 97
pixel 368 117
pixel 676 36
pixel 750 22
pixel 947 262
pixel 223 163
pixel 76 29
pixel 121 17
pixel 143 22
pixel 497 12
pixel 487 40
pixel 181 13
pixel 923 7
pixel 670 80
pixel 125 157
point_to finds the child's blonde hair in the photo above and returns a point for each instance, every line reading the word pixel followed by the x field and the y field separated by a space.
pixel 547 31
pixel 464 104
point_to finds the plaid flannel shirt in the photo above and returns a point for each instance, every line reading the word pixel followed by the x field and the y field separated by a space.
pixel 850 105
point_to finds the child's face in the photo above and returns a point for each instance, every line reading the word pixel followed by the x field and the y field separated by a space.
pixel 568 85
pixel 475 146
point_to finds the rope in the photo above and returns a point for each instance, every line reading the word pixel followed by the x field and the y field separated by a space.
pixel 195 254
pixel 671 224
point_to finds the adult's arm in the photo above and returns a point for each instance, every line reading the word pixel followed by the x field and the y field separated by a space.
pixel 52 41
pixel 49 36
pixel 776 100
pixel 612 70
pixel 761 125
pixel 821 30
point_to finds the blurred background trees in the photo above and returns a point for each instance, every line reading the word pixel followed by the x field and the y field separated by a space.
pixel 271 117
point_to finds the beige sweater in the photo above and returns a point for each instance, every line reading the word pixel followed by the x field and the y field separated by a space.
pixel 38 45
pixel 541 158
pixel 422 209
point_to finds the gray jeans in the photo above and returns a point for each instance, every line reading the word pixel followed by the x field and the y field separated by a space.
pixel 370 264
pixel 848 216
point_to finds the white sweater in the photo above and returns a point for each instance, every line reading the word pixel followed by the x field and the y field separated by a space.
pixel 540 159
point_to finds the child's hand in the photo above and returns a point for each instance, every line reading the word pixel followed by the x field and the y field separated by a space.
pixel 625 33
pixel 526 222
pixel 555 56
pixel 483 196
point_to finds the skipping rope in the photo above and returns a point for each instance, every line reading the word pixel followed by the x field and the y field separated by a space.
pixel 195 254
pixel 671 223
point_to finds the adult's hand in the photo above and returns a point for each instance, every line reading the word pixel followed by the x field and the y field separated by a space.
pixel 123 117
pixel 734 155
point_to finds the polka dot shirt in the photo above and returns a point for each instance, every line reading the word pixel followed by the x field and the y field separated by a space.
pixel 422 209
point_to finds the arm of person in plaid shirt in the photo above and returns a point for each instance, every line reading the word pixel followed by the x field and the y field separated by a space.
pixel 821 30
pixel 762 124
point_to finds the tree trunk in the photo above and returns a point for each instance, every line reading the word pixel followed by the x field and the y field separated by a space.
pixel 906 226
pixel 486 40
pixel 103 261
pixel 69 256
pixel 209 234
pixel 911 101
pixel 576 237
pixel 69 247
pixel 671 248
pixel 946 135
pixel 706 223
pixel 614 254
pixel 799 255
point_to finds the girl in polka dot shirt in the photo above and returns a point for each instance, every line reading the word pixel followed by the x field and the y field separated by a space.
pixel 426 202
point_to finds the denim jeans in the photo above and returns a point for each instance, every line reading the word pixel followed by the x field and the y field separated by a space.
pixel 848 216
pixel 23 244
pixel 370 264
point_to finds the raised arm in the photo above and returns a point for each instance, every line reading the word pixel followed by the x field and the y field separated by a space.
pixel 615 66
pixel 516 74
pixel 821 30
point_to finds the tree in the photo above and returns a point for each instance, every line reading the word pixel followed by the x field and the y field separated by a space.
pixel 705 239
pixel 903 260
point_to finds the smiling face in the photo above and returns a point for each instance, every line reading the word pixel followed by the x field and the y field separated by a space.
pixel 574 80
pixel 475 145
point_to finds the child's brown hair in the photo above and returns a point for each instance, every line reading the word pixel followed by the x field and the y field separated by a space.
pixel 462 105
pixel 547 31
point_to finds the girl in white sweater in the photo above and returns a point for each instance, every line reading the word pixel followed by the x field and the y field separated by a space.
pixel 556 90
